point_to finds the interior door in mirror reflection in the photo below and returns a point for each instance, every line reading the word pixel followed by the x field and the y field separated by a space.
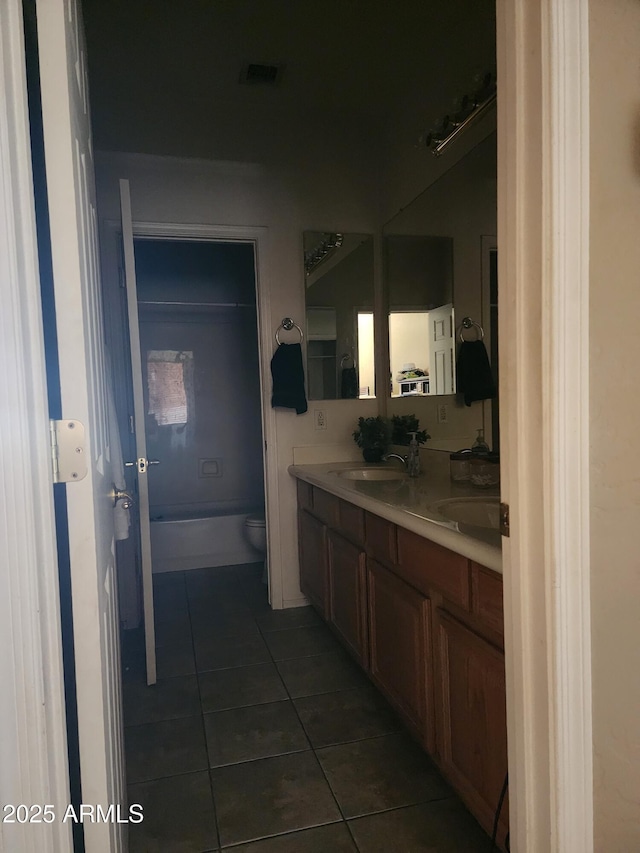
pixel 442 350
pixel 421 349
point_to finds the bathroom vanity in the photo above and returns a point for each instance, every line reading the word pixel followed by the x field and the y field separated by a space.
pixel 416 599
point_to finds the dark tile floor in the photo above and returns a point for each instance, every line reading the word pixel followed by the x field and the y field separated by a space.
pixel 262 736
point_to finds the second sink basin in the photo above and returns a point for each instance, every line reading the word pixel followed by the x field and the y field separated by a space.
pixel 479 512
pixel 372 474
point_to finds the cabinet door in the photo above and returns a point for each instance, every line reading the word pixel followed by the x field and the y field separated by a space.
pixel 312 543
pixel 400 648
pixel 347 595
pixel 472 719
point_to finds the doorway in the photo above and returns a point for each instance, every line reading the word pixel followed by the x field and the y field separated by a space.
pixel 200 380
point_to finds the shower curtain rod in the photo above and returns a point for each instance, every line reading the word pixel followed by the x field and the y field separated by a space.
pixel 199 304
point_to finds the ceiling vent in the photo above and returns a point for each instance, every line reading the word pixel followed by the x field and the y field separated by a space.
pixel 260 74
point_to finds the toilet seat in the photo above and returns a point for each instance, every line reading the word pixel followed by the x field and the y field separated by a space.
pixel 255 531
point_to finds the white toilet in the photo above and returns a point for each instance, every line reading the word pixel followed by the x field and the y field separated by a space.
pixel 256 535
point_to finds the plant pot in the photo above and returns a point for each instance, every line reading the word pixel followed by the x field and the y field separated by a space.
pixel 372 454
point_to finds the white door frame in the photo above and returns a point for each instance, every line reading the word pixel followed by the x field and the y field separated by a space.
pixel 543 239
pixel 34 768
pixel 259 237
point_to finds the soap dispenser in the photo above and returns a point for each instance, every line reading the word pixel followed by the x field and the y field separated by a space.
pixel 413 461
pixel 480 446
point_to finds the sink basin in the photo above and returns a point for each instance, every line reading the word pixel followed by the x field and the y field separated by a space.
pixel 478 512
pixel 372 474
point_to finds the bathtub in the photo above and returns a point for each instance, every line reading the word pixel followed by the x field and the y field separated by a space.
pixel 196 540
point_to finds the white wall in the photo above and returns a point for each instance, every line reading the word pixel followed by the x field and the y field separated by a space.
pixel 615 421
pixel 332 193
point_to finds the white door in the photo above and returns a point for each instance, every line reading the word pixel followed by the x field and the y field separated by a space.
pixel 72 209
pixel 441 351
pixel 141 462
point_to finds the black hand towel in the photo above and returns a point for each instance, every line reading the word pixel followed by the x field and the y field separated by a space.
pixel 288 378
pixel 349 383
pixel 475 381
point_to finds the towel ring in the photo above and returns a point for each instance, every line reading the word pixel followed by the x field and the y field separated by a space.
pixel 468 323
pixel 288 324
pixel 347 357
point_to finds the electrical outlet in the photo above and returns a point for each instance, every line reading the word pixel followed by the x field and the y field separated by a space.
pixel 320 419
pixel 443 413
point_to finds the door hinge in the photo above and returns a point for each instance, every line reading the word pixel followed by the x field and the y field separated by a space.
pixel 504 520
pixel 68 457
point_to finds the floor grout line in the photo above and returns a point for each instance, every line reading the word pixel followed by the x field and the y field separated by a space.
pixel 180 774
pixel 289 832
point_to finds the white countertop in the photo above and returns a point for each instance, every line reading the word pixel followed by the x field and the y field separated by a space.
pixel 409 504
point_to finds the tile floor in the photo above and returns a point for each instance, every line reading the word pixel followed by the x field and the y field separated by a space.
pixel 262 736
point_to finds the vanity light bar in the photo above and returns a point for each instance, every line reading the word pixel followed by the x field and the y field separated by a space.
pixel 450 127
pixel 315 256
pixel 438 148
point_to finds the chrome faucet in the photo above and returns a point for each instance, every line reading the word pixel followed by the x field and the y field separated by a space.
pixel 403 459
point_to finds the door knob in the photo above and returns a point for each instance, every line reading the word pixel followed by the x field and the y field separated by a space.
pixel 118 495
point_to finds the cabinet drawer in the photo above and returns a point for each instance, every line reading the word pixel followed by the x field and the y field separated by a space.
pixel 351 522
pixel 428 566
pixel 381 538
pixel 305 495
pixel 486 597
pixel 325 507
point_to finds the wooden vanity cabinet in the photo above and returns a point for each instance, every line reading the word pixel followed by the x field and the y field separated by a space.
pixel 333 565
pixel 314 570
pixel 381 539
pixel 471 718
pixel 305 495
pixel 347 596
pixel 400 648
pixel 427 624
pixel 486 600
pixel 430 567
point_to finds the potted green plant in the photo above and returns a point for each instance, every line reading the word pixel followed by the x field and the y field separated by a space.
pixel 402 425
pixel 372 436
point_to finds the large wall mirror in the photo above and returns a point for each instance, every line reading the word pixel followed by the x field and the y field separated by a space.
pixel 440 253
pixel 339 297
